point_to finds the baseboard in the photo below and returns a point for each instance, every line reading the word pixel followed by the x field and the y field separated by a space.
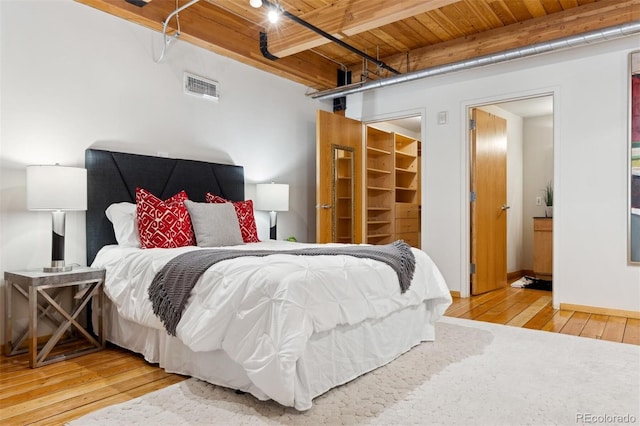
pixel 600 311
pixel 454 293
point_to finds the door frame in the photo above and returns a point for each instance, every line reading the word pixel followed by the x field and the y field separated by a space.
pixel 465 217
pixel 396 115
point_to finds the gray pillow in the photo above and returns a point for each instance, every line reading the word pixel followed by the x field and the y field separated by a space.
pixel 214 225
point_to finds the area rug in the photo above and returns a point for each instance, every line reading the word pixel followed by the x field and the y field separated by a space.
pixel 475 373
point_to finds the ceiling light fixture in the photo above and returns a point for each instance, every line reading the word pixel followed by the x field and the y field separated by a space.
pixel 279 10
pixel 273 15
pixel 256 3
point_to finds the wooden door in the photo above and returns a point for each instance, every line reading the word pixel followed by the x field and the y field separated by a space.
pixel 489 210
pixel 333 131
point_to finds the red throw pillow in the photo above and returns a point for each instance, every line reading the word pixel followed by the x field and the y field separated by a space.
pixel 163 224
pixel 246 219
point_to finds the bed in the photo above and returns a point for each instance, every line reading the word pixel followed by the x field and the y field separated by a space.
pixel 279 326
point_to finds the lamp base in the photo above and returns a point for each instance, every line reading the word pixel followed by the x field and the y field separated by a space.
pixel 57 266
pixel 273 220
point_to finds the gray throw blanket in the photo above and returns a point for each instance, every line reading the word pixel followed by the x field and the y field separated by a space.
pixel 172 285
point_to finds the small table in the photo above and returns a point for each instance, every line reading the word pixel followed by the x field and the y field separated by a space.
pixel 543 247
pixel 44 291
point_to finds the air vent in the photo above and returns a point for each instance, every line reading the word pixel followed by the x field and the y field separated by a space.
pixel 201 87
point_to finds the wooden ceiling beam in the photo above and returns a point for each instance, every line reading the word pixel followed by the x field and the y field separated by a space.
pixel 582 19
pixel 227 34
pixel 344 18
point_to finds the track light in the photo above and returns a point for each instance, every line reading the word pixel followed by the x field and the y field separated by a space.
pixel 255 3
pixel 273 15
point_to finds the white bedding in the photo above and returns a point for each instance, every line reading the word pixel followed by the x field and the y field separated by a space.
pixel 262 312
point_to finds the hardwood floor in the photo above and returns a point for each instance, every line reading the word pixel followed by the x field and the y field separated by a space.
pixel 57 393
pixel 60 392
pixel 528 308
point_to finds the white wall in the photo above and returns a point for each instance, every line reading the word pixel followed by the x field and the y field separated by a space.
pixel 589 85
pixel 73 77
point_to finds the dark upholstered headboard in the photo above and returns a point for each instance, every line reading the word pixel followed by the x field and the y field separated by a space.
pixel 113 177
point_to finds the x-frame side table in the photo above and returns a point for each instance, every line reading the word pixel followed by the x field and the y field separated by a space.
pixel 42 290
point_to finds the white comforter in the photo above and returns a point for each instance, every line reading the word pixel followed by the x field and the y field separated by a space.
pixel 262 310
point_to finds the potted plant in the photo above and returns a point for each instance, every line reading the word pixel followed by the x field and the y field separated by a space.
pixel 548 200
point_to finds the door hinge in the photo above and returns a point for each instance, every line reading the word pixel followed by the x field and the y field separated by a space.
pixel 472 196
pixel 472 124
pixel 472 268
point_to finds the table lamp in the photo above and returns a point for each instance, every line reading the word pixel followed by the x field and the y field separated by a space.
pixel 58 189
pixel 272 197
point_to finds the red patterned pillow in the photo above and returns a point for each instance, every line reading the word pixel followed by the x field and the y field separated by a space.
pixel 163 224
pixel 246 219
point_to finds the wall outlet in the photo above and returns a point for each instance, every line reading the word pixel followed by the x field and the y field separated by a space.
pixel 538 201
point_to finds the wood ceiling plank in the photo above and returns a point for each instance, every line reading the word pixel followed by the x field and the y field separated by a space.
pixel 424 33
pixel 485 12
pixel 446 23
pixel 519 10
pixel 346 18
pixel 406 36
pixel 434 27
pixel 471 18
pixel 591 17
pixel 567 4
pixel 535 8
pixel 503 12
pixel 551 6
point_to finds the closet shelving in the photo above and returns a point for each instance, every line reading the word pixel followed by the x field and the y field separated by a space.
pixel 380 186
pixel 407 217
pixel 392 188
pixel 344 198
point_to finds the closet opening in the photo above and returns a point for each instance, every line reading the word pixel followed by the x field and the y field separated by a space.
pixel 511 145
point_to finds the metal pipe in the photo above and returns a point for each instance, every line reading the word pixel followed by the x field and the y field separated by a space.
pixel 619 31
pixel 166 23
pixel 294 18
pixel 175 12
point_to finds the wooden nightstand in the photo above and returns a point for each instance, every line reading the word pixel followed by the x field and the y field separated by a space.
pixel 543 247
pixel 44 291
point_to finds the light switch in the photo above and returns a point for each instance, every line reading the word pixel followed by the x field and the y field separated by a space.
pixel 538 201
pixel 443 117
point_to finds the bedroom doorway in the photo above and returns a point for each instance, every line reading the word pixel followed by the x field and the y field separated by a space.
pixel 529 137
pixel 488 201
pixel 341 176
pixel 338 159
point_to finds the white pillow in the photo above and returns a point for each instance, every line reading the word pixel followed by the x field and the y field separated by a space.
pixel 123 218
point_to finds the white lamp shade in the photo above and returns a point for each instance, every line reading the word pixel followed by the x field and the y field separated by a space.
pixel 56 188
pixel 272 197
